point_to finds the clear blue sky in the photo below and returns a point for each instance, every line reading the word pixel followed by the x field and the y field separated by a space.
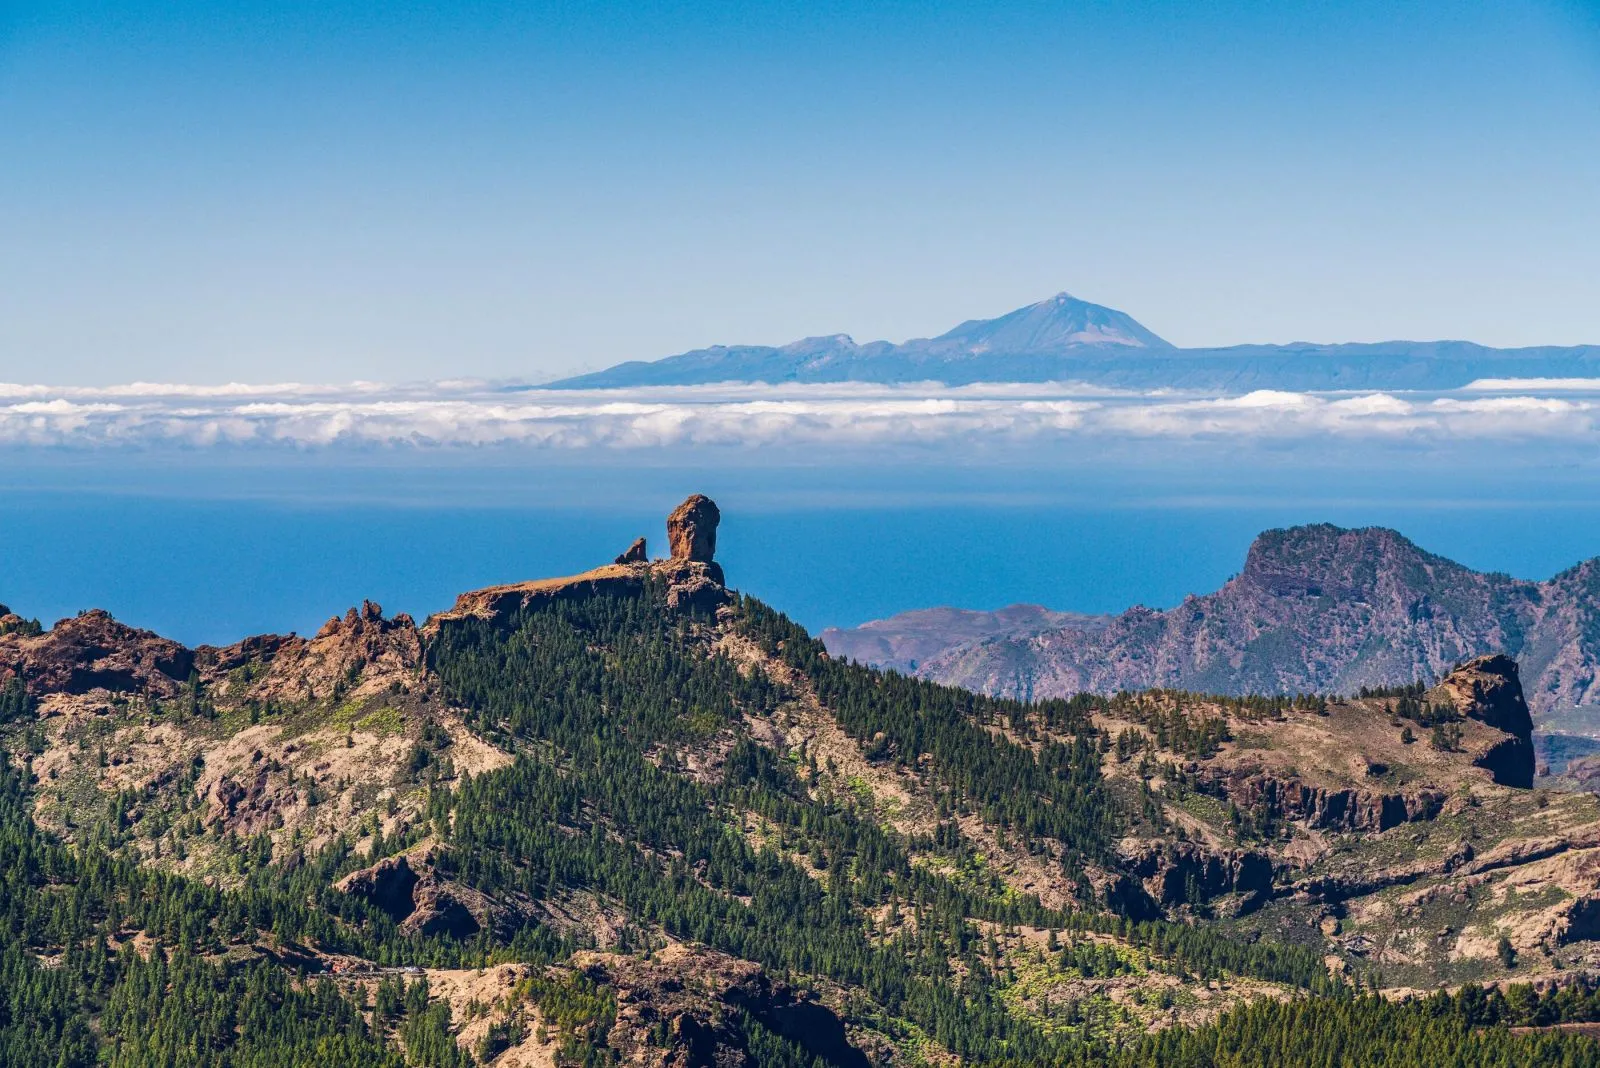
pixel 328 191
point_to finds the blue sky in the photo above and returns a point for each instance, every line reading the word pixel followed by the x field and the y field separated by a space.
pixel 330 191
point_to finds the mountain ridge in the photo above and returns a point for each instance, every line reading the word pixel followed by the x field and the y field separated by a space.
pixel 1315 608
pixel 1063 338
pixel 632 816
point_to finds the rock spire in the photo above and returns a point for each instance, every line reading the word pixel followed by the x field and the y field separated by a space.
pixel 692 529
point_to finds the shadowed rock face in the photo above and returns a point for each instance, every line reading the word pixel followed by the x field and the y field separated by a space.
pixel 389 885
pixel 1488 689
pixel 414 895
pixel 1172 871
pixel 687 992
pixel 692 529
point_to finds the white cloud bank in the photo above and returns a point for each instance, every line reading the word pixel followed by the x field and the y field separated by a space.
pixel 471 414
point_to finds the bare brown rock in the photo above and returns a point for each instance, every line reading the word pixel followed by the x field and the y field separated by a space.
pixel 93 651
pixel 636 553
pixel 389 885
pixel 498 602
pixel 692 585
pixel 1321 807
pixel 692 529
pixel 357 653
pixel 11 623
pixel 1175 872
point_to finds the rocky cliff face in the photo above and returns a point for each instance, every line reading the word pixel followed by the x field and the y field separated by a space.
pixel 410 890
pixel 1315 609
pixel 690 994
pixel 692 529
pixel 1488 689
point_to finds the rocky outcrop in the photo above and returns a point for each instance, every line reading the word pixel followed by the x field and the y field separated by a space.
pixel 692 585
pixel 1581 922
pixel 92 651
pixel 1343 886
pixel 686 992
pixel 356 653
pixel 692 529
pixel 389 885
pixel 1183 873
pixel 410 890
pixel 1320 807
pixel 11 623
pixel 1489 689
pixel 500 602
pixel 693 579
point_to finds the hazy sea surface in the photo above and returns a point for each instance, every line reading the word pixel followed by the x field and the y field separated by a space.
pixel 214 555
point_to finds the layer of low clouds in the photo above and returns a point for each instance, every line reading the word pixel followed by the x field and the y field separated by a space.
pixel 465 415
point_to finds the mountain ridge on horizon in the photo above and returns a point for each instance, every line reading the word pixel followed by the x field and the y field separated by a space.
pixel 1062 338
pixel 1316 608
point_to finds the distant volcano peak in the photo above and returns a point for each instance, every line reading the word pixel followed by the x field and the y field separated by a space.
pixel 1053 325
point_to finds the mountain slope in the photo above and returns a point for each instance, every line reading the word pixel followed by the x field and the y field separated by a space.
pixel 903 641
pixel 1066 339
pixel 1315 609
pixel 1036 343
pixel 634 817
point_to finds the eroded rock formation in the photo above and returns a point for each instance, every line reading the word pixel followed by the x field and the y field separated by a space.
pixel 93 651
pixel 693 579
pixel 1319 807
pixel 636 553
pixel 1489 690
pixel 692 529
pixel 1176 873
pixel 355 653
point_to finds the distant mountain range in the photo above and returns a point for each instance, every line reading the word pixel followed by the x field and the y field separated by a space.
pixel 1065 339
pixel 1316 609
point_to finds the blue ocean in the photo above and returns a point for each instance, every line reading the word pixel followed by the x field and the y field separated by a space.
pixel 209 553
